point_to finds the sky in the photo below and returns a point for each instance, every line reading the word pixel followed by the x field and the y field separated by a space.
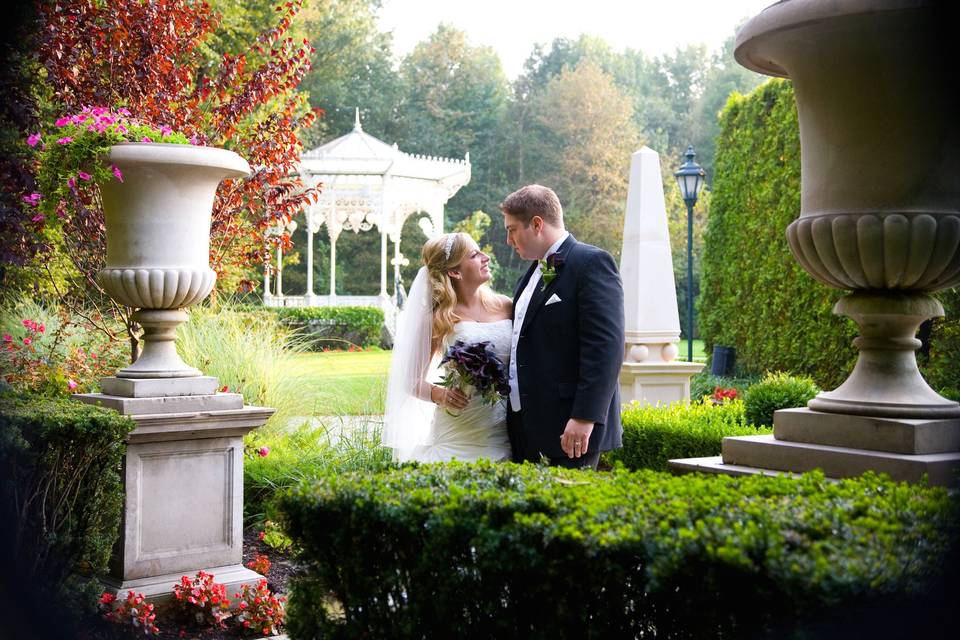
pixel 512 27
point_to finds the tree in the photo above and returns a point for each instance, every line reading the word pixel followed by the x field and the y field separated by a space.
pixel 146 57
pixel 352 67
pixel 584 137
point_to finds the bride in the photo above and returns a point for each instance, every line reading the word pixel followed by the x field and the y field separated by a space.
pixel 449 300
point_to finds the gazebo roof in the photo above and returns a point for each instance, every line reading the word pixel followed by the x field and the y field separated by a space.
pixel 359 153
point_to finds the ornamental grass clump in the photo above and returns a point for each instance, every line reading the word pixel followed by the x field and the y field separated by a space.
pixel 251 355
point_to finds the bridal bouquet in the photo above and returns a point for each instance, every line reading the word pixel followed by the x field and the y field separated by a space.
pixel 475 368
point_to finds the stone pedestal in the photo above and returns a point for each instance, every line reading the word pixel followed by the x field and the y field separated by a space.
pixel 657 383
pixel 183 487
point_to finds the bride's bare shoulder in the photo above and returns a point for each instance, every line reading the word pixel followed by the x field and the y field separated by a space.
pixel 506 303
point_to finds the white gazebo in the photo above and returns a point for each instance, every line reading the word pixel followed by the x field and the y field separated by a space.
pixel 366 183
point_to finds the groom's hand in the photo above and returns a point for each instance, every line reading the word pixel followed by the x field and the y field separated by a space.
pixel 576 437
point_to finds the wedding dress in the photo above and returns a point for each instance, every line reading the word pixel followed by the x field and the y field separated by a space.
pixel 413 426
pixel 480 429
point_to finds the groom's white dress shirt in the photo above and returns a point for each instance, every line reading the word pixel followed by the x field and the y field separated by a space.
pixel 518 314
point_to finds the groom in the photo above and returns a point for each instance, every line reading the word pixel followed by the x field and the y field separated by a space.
pixel 568 338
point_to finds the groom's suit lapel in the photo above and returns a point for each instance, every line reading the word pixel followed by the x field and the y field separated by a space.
pixel 542 293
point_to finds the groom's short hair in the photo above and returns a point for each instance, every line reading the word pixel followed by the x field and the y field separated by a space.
pixel 534 200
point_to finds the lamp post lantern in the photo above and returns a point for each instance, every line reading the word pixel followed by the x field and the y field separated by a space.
pixel 691 178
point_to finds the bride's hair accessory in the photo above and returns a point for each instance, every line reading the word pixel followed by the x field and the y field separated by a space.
pixel 448 246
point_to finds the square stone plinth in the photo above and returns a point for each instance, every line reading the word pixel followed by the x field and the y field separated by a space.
pixel 894 435
pixel 766 452
pixel 164 404
pixel 659 383
pixel 159 387
pixel 183 490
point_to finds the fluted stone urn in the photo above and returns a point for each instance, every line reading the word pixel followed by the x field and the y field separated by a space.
pixel 158 241
pixel 880 206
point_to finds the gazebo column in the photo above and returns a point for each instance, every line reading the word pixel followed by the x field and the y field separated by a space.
pixel 383 262
pixel 334 232
pixel 266 283
pixel 396 262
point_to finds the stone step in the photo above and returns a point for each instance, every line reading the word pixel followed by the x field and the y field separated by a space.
pixel 715 465
pixel 894 435
pixel 766 452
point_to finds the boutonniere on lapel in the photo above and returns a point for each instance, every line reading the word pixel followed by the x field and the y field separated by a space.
pixel 549 268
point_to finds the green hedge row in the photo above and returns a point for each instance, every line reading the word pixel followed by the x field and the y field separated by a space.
pixel 654 435
pixel 326 326
pixel 754 295
pixel 61 498
pixel 522 551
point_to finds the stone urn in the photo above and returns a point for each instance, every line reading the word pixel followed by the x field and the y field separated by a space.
pixel 158 241
pixel 880 208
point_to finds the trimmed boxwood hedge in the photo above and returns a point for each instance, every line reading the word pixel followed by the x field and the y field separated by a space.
pixel 754 295
pixel 325 326
pixel 61 497
pixel 654 435
pixel 521 551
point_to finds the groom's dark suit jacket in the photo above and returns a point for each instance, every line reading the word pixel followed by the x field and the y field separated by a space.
pixel 569 354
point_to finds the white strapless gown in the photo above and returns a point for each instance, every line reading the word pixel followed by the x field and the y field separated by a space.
pixel 480 430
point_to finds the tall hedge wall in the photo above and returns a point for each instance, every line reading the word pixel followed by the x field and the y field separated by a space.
pixel 754 295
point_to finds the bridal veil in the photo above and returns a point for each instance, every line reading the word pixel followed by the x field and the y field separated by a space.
pixel 409 413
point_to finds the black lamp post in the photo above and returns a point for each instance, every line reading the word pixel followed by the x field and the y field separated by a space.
pixel 691 178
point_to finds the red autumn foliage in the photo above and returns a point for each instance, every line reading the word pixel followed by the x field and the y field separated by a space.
pixel 146 56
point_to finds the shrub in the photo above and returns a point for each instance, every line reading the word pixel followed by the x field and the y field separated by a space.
pixel 705 384
pixel 331 325
pixel 754 295
pixel 777 391
pixel 250 355
pixel 60 499
pixel 501 550
pixel 654 435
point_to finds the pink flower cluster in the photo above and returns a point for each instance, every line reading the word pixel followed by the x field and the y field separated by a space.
pixel 206 599
pixel 97 119
pixel 134 610
pixel 259 609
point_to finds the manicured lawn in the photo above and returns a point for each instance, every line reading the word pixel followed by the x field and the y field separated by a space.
pixel 343 383
pixel 699 355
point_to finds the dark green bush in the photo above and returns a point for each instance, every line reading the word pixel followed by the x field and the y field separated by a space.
pixel 754 295
pixel 61 497
pixel 510 551
pixel 705 383
pixel 777 390
pixel 333 326
pixel 654 435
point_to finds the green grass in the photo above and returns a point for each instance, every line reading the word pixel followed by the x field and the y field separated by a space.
pixel 342 382
pixel 699 355
pixel 353 383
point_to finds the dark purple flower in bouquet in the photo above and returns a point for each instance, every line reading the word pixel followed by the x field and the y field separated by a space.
pixel 475 365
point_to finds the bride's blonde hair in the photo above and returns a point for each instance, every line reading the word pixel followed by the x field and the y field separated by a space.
pixel 438 262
